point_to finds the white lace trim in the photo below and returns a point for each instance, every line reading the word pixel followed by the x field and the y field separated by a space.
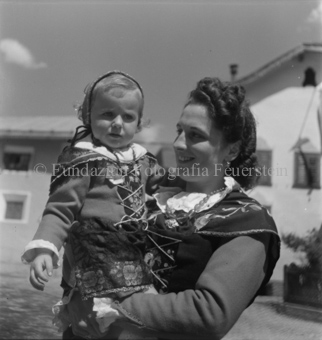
pixel 105 314
pixel 163 194
pixel 123 155
pixel 30 251
pixel 186 201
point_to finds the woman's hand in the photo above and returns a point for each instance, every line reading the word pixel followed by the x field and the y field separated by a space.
pixel 40 268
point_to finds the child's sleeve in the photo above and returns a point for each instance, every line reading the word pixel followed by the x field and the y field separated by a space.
pixel 67 195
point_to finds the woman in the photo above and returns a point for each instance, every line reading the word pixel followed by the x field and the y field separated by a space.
pixel 225 244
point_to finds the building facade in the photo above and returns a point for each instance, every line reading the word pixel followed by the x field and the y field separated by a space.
pixel 28 148
pixel 285 97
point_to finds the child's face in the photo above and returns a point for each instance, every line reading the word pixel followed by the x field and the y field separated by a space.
pixel 115 117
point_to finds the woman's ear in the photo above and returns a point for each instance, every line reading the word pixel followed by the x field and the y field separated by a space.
pixel 234 150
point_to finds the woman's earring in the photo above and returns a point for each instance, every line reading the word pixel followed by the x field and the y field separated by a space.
pixel 228 164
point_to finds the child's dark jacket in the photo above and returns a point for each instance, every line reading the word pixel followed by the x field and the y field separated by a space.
pixel 91 191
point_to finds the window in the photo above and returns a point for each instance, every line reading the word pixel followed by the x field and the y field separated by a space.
pixel 14 206
pixel 17 157
pixel 14 210
pixel 309 77
pixel 307 170
pixel 265 163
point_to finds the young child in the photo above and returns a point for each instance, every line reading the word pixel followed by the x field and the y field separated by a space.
pixel 96 204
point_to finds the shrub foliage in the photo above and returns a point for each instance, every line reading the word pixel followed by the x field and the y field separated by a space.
pixel 310 245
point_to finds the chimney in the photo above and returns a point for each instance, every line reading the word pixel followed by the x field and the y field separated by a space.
pixel 233 71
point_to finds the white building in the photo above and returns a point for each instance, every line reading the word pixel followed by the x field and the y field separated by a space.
pixel 285 99
pixel 28 147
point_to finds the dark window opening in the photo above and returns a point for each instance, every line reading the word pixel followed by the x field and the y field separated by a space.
pixel 309 77
pixel 16 161
pixel 14 210
pixel 307 170
pixel 264 158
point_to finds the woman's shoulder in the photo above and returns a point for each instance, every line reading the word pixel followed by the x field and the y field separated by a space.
pixel 237 214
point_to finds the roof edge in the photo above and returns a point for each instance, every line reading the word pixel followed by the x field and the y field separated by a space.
pixel 305 47
pixel 35 134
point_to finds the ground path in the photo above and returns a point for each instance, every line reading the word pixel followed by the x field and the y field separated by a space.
pixel 26 313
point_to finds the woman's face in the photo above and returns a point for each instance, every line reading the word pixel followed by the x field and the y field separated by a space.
pixel 200 148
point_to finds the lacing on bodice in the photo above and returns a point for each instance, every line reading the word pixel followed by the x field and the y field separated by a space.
pixel 160 257
pixel 130 190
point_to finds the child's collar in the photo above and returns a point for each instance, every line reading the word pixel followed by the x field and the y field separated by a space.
pixel 126 155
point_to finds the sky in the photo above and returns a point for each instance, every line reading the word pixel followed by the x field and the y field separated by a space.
pixel 50 50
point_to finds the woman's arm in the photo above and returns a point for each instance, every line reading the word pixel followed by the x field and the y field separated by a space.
pixel 228 284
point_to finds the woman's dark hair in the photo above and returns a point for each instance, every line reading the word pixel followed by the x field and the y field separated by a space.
pixel 230 113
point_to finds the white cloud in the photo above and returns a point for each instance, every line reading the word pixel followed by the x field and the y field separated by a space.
pixel 16 53
pixel 316 15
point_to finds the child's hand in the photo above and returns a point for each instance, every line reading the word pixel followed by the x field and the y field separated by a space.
pixel 43 261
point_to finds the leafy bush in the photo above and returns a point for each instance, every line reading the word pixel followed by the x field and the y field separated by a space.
pixel 310 245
